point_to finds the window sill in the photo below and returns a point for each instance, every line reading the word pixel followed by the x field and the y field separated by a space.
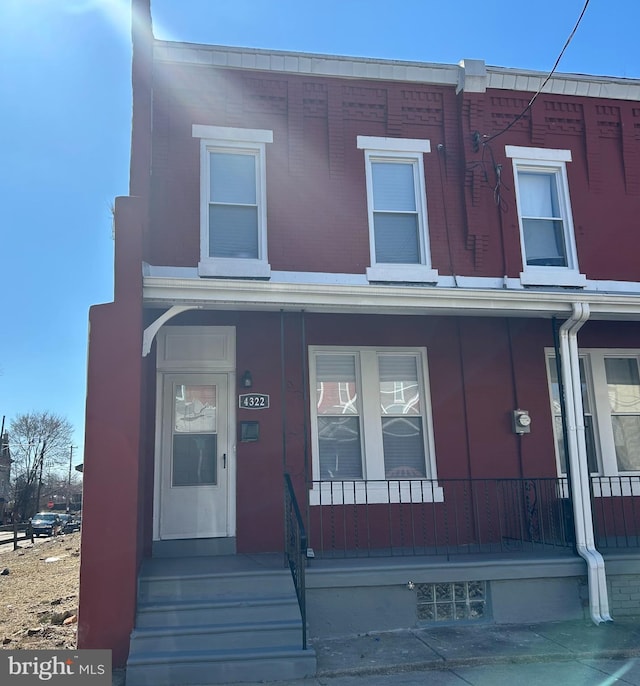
pixel 235 268
pixel 372 492
pixel 414 273
pixel 550 276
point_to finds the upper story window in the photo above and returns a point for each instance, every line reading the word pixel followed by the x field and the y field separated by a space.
pixel 610 381
pixel 372 435
pixel 397 205
pixel 233 213
pixel 544 213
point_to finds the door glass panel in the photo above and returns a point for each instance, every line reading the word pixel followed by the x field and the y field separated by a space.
pixel 194 454
pixel 195 409
pixel 194 460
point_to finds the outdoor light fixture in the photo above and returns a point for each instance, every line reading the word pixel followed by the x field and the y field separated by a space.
pixel 246 380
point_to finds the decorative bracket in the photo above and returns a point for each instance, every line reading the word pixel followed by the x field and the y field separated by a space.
pixel 153 328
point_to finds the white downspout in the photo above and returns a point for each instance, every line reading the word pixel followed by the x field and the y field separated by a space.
pixel 577 459
pixel 583 465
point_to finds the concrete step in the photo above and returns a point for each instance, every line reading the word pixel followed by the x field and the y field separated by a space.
pixel 228 609
pixel 216 621
pixel 201 668
pixel 258 635
pixel 206 585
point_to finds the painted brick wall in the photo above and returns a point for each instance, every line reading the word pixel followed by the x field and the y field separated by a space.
pixel 624 594
pixel 317 214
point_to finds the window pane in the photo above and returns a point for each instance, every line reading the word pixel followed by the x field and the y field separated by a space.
pixel 336 384
pixel 233 178
pixel 393 186
pixel 233 231
pixel 544 243
pixel 592 460
pixel 589 435
pixel 402 435
pixel 194 459
pixel 626 434
pixel 403 445
pixel 399 389
pixel 339 443
pixel 194 409
pixel 396 238
pixel 623 384
pixel 538 195
pixel 562 456
pixel 555 390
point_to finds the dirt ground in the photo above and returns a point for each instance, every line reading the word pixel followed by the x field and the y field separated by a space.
pixel 39 591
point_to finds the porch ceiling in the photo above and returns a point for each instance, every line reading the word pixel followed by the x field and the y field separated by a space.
pixel 235 294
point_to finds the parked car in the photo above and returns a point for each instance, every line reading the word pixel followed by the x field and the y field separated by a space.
pixel 69 523
pixel 65 519
pixel 46 524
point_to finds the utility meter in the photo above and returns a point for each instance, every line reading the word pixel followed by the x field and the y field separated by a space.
pixel 521 422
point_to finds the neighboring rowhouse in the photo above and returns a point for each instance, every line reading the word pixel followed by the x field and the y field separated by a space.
pixel 407 290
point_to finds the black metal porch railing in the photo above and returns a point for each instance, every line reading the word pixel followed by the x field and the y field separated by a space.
pixel 296 550
pixel 444 517
pixel 616 511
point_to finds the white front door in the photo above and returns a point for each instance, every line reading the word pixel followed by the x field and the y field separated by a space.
pixel 194 457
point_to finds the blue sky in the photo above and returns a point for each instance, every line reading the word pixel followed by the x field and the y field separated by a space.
pixel 65 109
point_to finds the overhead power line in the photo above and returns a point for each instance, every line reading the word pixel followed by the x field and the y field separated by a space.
pixel 544 83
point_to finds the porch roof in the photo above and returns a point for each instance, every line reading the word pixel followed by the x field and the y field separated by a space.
pixel 500 299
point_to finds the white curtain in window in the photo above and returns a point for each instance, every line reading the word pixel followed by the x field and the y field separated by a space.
pixel 541 219
pixel 538 195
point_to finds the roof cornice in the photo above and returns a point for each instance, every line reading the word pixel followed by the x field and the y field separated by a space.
pixel 468 75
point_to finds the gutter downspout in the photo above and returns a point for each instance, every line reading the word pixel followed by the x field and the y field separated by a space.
pixel 579 470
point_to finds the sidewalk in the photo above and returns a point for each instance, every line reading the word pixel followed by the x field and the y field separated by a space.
pixel 445 647
pixel 567 653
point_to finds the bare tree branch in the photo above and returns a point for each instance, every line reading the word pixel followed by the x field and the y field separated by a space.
pixel 38 441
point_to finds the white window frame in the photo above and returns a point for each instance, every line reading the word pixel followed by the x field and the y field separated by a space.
pixel 374 487
pixel 549 161
pixel 410 151
pixel 613 482
pixel 233 140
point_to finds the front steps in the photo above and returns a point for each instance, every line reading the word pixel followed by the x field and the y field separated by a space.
pixel 216 620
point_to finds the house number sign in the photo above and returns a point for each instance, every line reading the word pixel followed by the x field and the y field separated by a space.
pixel 253 401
